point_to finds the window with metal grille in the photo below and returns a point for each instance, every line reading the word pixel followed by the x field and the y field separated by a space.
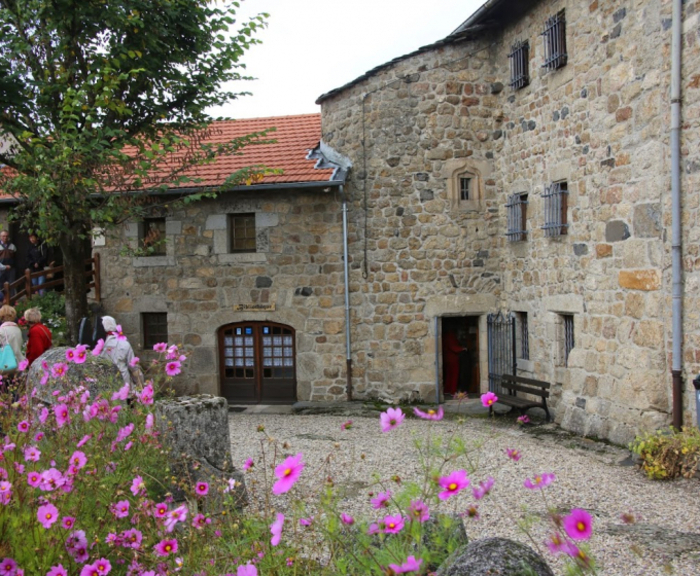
pixel 555 208
pixel 517 217
pixel 519 65
pixel 242 232
pixel 155 328
pixel 465 185
pixel 568 321
pixel 152 236
pixel 523 335
pixel 555 42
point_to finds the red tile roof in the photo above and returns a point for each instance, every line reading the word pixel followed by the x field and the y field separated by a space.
pixel 294 137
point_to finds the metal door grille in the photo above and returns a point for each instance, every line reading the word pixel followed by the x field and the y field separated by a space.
pixel 501 345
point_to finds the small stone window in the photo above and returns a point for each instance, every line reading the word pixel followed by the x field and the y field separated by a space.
pixel 155 328
pixel 152 237
pixel 242 235
pixel 519 65
pixel 522 335
pixel 556 205
pixel 567 337
pixel 554 36
pixel 517 217
pixel 464 185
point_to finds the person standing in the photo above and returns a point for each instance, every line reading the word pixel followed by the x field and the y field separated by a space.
pixel 38 336
pixel 37 259
pixel 7 258
pixel 117 349
pixel 10 333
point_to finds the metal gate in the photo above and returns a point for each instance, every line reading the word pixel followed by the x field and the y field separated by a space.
pixel 501 339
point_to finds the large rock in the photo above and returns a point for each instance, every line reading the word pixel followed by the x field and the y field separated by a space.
pixel 195 431
pixel 98 375
pixel 495 557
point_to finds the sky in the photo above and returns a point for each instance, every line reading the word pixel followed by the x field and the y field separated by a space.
pixel 311 47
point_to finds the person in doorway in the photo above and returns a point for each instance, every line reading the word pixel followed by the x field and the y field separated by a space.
pixel 10 333
pixel 452 348
pixel 38 335
pixel 117 349
pixel 7 259
pixel 37 259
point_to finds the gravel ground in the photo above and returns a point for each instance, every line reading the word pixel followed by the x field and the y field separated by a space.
pixel 664 539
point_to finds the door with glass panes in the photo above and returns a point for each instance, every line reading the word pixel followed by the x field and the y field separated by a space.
pixel 257 361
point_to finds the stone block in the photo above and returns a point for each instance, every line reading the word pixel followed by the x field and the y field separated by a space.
pixel 640 279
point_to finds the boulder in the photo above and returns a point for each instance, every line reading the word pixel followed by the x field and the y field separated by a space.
pixel 195 431
pixel 494 557
pixel 98 375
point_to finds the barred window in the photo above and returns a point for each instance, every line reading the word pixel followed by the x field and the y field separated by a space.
pixel 519 65
pixel 568 321
pixel 517 217
pixel 555 209
pixel 155 328
pixel 555 42
pixel 465 185
pixel 242 232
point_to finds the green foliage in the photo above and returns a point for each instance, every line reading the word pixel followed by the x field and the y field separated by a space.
pixel 667 454
pixel 53 313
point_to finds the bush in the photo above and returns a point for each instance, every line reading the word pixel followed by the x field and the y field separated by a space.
pixel 668 453
pixel 53 313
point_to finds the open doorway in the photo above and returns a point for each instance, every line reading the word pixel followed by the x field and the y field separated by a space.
pixel 460 355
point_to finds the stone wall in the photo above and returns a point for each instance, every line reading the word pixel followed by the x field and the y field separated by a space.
pixel 601 123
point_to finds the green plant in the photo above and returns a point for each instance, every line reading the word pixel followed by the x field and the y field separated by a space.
pixel 53 313
pixel 668 453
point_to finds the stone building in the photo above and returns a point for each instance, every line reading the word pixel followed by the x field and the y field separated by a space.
pixel 516 174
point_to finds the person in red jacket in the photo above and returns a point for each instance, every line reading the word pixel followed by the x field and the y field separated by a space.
pixel 38 337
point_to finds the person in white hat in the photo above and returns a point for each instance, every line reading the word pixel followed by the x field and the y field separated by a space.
pixel 117 348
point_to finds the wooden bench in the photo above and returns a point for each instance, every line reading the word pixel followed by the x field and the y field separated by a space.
pixel 514 384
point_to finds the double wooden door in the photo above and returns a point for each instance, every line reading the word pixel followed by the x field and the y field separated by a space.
pixel 257 363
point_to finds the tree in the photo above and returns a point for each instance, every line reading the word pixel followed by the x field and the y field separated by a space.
pixel 103 103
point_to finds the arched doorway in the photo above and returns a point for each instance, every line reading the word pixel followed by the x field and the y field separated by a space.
pixel 257 363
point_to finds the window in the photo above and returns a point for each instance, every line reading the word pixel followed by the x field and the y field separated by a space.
pixel 155 328
pixel 555 208
pixel 242 233
pixel 465 184
pixel 568 336
pixel 519 65
pixel 152 237
pixel 555 42
pixel 517 217
pixel 522 335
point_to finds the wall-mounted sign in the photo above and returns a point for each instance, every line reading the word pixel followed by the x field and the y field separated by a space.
pixel 253 307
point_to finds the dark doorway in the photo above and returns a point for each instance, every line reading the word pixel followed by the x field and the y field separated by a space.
pixel 257 363
pixel 460 371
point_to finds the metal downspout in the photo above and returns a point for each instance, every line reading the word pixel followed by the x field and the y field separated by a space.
pixel 676 247
pixel 348 347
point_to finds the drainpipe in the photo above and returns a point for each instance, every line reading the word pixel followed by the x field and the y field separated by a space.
pixel 348 347
pixel 676 247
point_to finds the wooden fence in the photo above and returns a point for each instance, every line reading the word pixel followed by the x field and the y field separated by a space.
pixel 53 280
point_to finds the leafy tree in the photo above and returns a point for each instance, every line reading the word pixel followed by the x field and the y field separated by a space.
pixel 102 102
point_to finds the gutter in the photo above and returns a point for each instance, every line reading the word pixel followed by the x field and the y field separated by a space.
pixel 677 244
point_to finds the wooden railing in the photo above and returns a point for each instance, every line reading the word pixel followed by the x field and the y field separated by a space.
pixel 53 280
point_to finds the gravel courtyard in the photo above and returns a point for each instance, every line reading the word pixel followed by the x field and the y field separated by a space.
pixel 664 538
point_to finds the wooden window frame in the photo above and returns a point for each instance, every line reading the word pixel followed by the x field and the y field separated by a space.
pixel 244 243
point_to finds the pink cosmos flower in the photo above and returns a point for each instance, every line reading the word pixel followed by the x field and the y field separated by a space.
pixel 57 571
pixel 418 510
pixel 347 519
pixel 578 524
pixel 484 488
pixel 411 565
pixel 172 368
pixel 166 547
pixel 23 426
pixel 393 524
pixel 149 421
pixel 134 361
pixel 374 528
pixel 382 500
pixel 132 538
pixel 39 437
pixel 33 479
pixel 514 454
pixel 160 347
pixel 453 484
pixel 555 544
pixel 247 570
pixel 173 353
pixel 276 530
pixel 160 510
pixel 146 395
pixel 472 512
pixel 138 486
pixel 80 354
pixel 539 481
pixel 201 488
pixel 524 419
pixel 230 485
pixel 122 393
pixel 248 464
pixel 488 399
pixel 97 350
pixel 8 567
pixel 119 332
pixel 70 354
pixel 125 432
pixel 78 459
pixel 430 414
pixel 391 419
pixel 306 521
pixel 200 521
pixel 43 414
pixel 32 454
pixel 288 473
pixel 67 522
pixel 47 515
pixel 62 414
pixel 346 425
pixel 179 514
pixel 58 370
pixel 84 440
pixel 120 509
pixel 23 365
pixel 102 566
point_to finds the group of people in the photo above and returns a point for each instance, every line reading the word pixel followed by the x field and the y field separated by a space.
pixel 38 258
